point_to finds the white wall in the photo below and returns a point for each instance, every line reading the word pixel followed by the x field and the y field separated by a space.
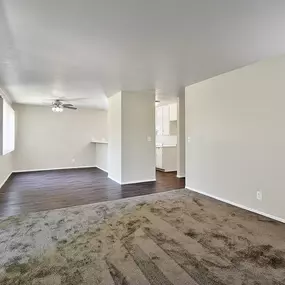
pixel 236 124
pixel 115 137
pixel 138 123
pixel 102 156
pixel 46 140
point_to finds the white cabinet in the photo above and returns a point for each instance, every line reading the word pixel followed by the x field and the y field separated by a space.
pixel 173 112
pixel 166 158
pixel 165 120
pixel 158 120
pixel 162 120
pixel 159 157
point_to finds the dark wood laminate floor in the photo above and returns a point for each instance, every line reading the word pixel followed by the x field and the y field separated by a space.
pixel 46 190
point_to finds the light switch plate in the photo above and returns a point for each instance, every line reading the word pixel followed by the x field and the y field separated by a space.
pixel 149 139
pixel 259 195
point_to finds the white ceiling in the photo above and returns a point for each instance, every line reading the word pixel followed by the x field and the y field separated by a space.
pixel 90 49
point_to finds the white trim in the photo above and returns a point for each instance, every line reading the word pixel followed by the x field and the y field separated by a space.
pixel 5 180
pixel 105 170
pixel 237 205
pixel 180 176
pixel 119 182
pixel 59 168
pixel 131 182
pixel 6 96
pixel 138 181
pixel 101 142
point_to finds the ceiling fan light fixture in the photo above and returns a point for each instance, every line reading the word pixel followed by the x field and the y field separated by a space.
pixel 58 105
pixel 57 109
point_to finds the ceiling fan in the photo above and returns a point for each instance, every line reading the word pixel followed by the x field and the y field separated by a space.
pixel 58 105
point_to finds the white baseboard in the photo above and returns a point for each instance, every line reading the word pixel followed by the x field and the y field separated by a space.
pixel 2 184
pixel 237 205
pixel 117 181
pixel 138 181
pixel 180 176
pixel 57 168
pixel 130 182
pixel 103 169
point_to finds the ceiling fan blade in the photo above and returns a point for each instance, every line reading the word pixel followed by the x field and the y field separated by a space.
pixel 74 99
pixel 70 107
pixel 66 99
pixel 67 105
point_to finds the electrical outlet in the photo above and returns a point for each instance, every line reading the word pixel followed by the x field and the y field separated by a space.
pixel 189 139
pixel 259 195
pixel 149 139
pixel 73 160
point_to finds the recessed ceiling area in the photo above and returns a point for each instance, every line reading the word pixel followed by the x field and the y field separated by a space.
pixel 92 49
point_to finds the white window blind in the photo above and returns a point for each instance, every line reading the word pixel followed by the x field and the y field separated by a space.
pixel 7 128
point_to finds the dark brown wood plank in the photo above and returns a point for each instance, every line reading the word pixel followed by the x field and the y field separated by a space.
pixel 46 190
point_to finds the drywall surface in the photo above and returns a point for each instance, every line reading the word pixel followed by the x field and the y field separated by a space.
pixel 102 156
pixel 235 123
pixel 47 140
pixel 115 137
pixel 138 136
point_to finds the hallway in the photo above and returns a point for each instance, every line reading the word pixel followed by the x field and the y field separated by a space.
pixel 46 190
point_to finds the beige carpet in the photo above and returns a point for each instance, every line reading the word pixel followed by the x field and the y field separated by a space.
pixel 170 238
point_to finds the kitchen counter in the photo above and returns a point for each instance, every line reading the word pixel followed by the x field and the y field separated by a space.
pixel 165 145
pixel 104 142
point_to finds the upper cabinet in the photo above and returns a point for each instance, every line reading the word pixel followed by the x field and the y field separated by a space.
pixel 158 120
pixel 162 120
pixel 165 120
pixel 164 115
pixel 173 112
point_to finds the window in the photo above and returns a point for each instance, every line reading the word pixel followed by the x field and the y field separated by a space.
pixel 7 127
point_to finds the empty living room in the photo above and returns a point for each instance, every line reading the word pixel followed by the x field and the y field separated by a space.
pixel 141 142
